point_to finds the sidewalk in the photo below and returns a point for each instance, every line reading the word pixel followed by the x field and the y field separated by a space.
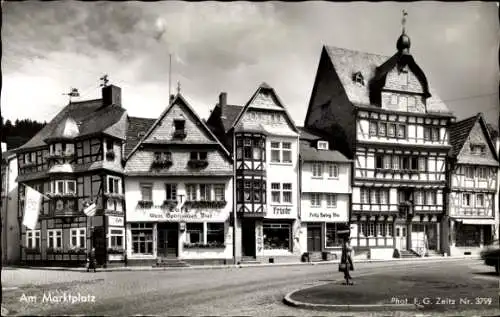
pixel 233 266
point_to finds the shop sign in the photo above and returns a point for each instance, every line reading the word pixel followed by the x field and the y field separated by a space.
pixel 177 215
pixel 324 216
pixel 287 212
pixel 115 221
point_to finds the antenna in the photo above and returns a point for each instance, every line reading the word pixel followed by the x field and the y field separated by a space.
pixel 73 92
pixel 104 80
pixel 170 76
pixel 403 21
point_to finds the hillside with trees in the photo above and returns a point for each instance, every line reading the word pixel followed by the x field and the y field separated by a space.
pixel 17 133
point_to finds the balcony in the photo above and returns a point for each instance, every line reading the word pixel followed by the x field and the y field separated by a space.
pixel 197 163
pixel 208 204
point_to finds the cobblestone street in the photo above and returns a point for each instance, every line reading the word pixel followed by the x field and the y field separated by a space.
pixel 256 291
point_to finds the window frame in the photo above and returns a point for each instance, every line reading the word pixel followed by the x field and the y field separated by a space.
pixel 333 170
pixel 117 185
pixel 79 235
pixel 171 191
pixel 33 239
pixel 317 167
pixel 112 235
pixel 148 186
pixel 331 200
pixel 315 200
pixel 54 238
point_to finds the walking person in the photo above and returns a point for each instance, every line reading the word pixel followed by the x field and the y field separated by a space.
pixel 91 265
pixel 346 264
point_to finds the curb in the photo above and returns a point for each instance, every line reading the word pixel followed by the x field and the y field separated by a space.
pixel 240 266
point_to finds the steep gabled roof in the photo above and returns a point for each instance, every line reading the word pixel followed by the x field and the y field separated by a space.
pixel 309 152
pixel 135 127
pixel 179 98
pixel 230 114
pixel 91 117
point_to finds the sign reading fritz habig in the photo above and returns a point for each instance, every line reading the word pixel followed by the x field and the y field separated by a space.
pixel 327 216
pixel 176 215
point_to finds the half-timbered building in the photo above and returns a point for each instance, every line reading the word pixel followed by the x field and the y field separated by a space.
pixel 381 112
pixel 473 169
pixel 74 160
pixel 264 143
pixel 179 190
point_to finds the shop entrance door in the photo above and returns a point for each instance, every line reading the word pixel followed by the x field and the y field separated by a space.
pixel 248 238
pixel 168 240
pixel 401 237
pixel 313 239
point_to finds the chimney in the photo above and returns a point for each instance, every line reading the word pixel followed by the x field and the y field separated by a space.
pixel 172 97
pixel 111 95
pixel 222 103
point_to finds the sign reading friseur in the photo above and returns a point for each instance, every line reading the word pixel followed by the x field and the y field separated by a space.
pixel 158 214
pixel 325 215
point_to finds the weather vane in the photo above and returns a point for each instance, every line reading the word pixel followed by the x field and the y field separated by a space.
pixel 104 80
pixel 73 92
pixel 403 21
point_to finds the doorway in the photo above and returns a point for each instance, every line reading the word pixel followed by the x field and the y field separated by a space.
pixel 313 238
pixel 248 238
pixel 168 240
pixel 401 237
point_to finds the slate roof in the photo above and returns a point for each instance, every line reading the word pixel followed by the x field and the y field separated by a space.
pixel 135 125
pixel 347 62
pixel 91 118
pixel 230 114
pixel 309 152
pixel 459 131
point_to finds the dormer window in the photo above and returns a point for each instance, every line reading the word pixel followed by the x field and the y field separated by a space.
pixel 179 125
pixel 478 148
pixel 322 145
pixel 358 78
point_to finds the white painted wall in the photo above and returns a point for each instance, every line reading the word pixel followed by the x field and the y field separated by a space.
pixel 325 184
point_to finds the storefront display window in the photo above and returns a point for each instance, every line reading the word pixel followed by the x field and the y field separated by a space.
pixel 332 239
pixel 277 236
pixel 215 232
pixel 194 232
pixel 142 238
pixel 468 236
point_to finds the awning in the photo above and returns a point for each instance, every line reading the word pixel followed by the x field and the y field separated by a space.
pixel 477 221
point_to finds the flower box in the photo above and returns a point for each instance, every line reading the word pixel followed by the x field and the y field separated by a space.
pixel 54 250
pixel 116 251
pixel 169 204
pixel 110 155
pixel 197 163
pixel 114 196
pixel 77 251
pixel 145 203
pixel 212 245
pixel 61 195
pixel 160 164
pixel 32 250
pixel 205 204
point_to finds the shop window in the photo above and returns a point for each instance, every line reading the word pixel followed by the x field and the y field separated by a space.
pixel 78 238
pixel 331 237
pixel 275 192
pixel 33 239
pixel 219 192
pixel 331 200
pixel 54 238
pixel 171 192
pixel 115 238
pixel 194 232
pixel 215 233
pixel 333 171
pixel 277 236
pixel 468 236
pixel 142 238
pixel 317 170
pixel 315 200
pixel 114 185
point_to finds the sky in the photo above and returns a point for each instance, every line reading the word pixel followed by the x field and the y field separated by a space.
pixel 49 48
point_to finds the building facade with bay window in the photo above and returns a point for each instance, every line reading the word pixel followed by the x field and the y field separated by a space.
pixel 263 141
pixel 73 161
pixel 380 112
pixel 325 185
pixel 473 170
pixel 179 189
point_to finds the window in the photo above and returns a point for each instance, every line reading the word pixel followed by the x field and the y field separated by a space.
pixel 205 192
pixel 403 102
pixel 114 185
pixel 332 239
pixel 287 152
pixel 256 191
pixel 115 238
pixel 469 172
pixel 373 128
pixel 315 200
pixel 466 200
pixel 142 238
pixel 215 232
pixel 358 78
pixel 171 192
pixel 371 229
pixel 71 187
pixel 317 169
pixel 248 190
pixel 60 187
pixel 395 162
pixel 422 164
pixel 375 199
pixel 194 232
pixel 33 239
pixel 405 163
pixel 435 134
pixel 333 171
pixel 275 152
pixel 411 102
pixel 394 99
pixel 78 238
pixel 379 161
pixel 430 198
pixel 257 150
pixel 275 192
pixel 414 163
pixel 198 156
pixel 477 149
pixel 382 128
pixel 419 199
pixel 387 162
pixel 390 229
pixel 287 193
pixel 54 238
pixel 363 229
pixel 147 192
pixel 382 229
pixel 277 236
pixel 70 149
pixel 109 145
pixel 191 192
pixel 179 125
pixel 391 130
pixel 401 131
pixel 431 134
pixel 331 200
pixel 482 172
pixel 247 149
pixel 322 145
pixel 219 191
pixel 384 196
pixel 365 195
